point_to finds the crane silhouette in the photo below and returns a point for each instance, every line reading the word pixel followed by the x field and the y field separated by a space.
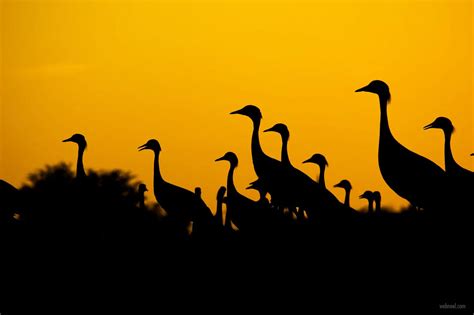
pixel 346 185
pixel 178 202
pixel 451 166
pixel 300 189
pixel 411 176
pixel 242 211
pixel 275 216
pixel 80 140
pixel 141 195
pixel 370 198
pixel 269 170
pixel 282 129
pixel 198 192
pixel 378 201
pixel 262 163
pixel 88 197
pixel 321 161
pixel 461 180
pixel 257 185
pixel 220 202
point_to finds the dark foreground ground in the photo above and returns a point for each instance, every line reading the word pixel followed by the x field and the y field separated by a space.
pixel 381 266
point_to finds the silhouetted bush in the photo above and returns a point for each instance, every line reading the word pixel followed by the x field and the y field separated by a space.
pixel 101 208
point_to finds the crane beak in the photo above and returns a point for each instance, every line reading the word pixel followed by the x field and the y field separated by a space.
pixel 362 89
pixel 269 129
pixel 220 159
pixel 142 147
pixel 307 161
pixel 249 187
pixel 237 112
pixel 337 185
pixel 68 140
pixel 429 126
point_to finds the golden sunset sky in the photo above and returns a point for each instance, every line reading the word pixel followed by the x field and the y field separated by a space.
pixel 122 72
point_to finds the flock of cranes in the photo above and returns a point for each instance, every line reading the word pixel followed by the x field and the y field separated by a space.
pixel 294 196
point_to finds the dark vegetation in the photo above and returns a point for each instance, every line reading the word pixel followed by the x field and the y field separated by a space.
pixel 95 231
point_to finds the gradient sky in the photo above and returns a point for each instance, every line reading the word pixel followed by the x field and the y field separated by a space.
pixel 122 72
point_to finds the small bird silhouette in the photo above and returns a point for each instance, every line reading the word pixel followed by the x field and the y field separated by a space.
pixel 220 202
pixel 321 161
pixel 451 166
pixel 378 201
pixel 370 198
pixel 346 185
pixel 461 180
pixel 141 195
pixel 242 211
pixel 257 185
pixel 80 140
pixel 177 201
pixel 198 192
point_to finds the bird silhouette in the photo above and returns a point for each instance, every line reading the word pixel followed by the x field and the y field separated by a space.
pixel 262 163
pixel 451 166
pixel 220 202
pixel 88 197
pixel 198 192
pixel 300 190
pixel 411 176
pixel 80 140
pixel 257 185
pixel 268 170
pixel 178 202
pixel 378 201
pixel 346 185
pixel 370 198
pixel 321 161
pixel 275 216
pixel 141 195
pixel 461 180
pixel 282 129
pixel 242 211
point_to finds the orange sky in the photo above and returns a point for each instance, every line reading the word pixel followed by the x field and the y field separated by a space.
pixel 122 72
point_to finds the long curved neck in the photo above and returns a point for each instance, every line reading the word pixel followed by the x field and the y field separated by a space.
pixel 230 180
pixel 347 198
pixel 284 151
pixel 80 172
pixel 377 206
pixel 449 162
pixel 157 179
pixel 219 215
pixel 231 190
pixel 321 180
pixel 385 133
pixel 257 151
pixel 371 206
